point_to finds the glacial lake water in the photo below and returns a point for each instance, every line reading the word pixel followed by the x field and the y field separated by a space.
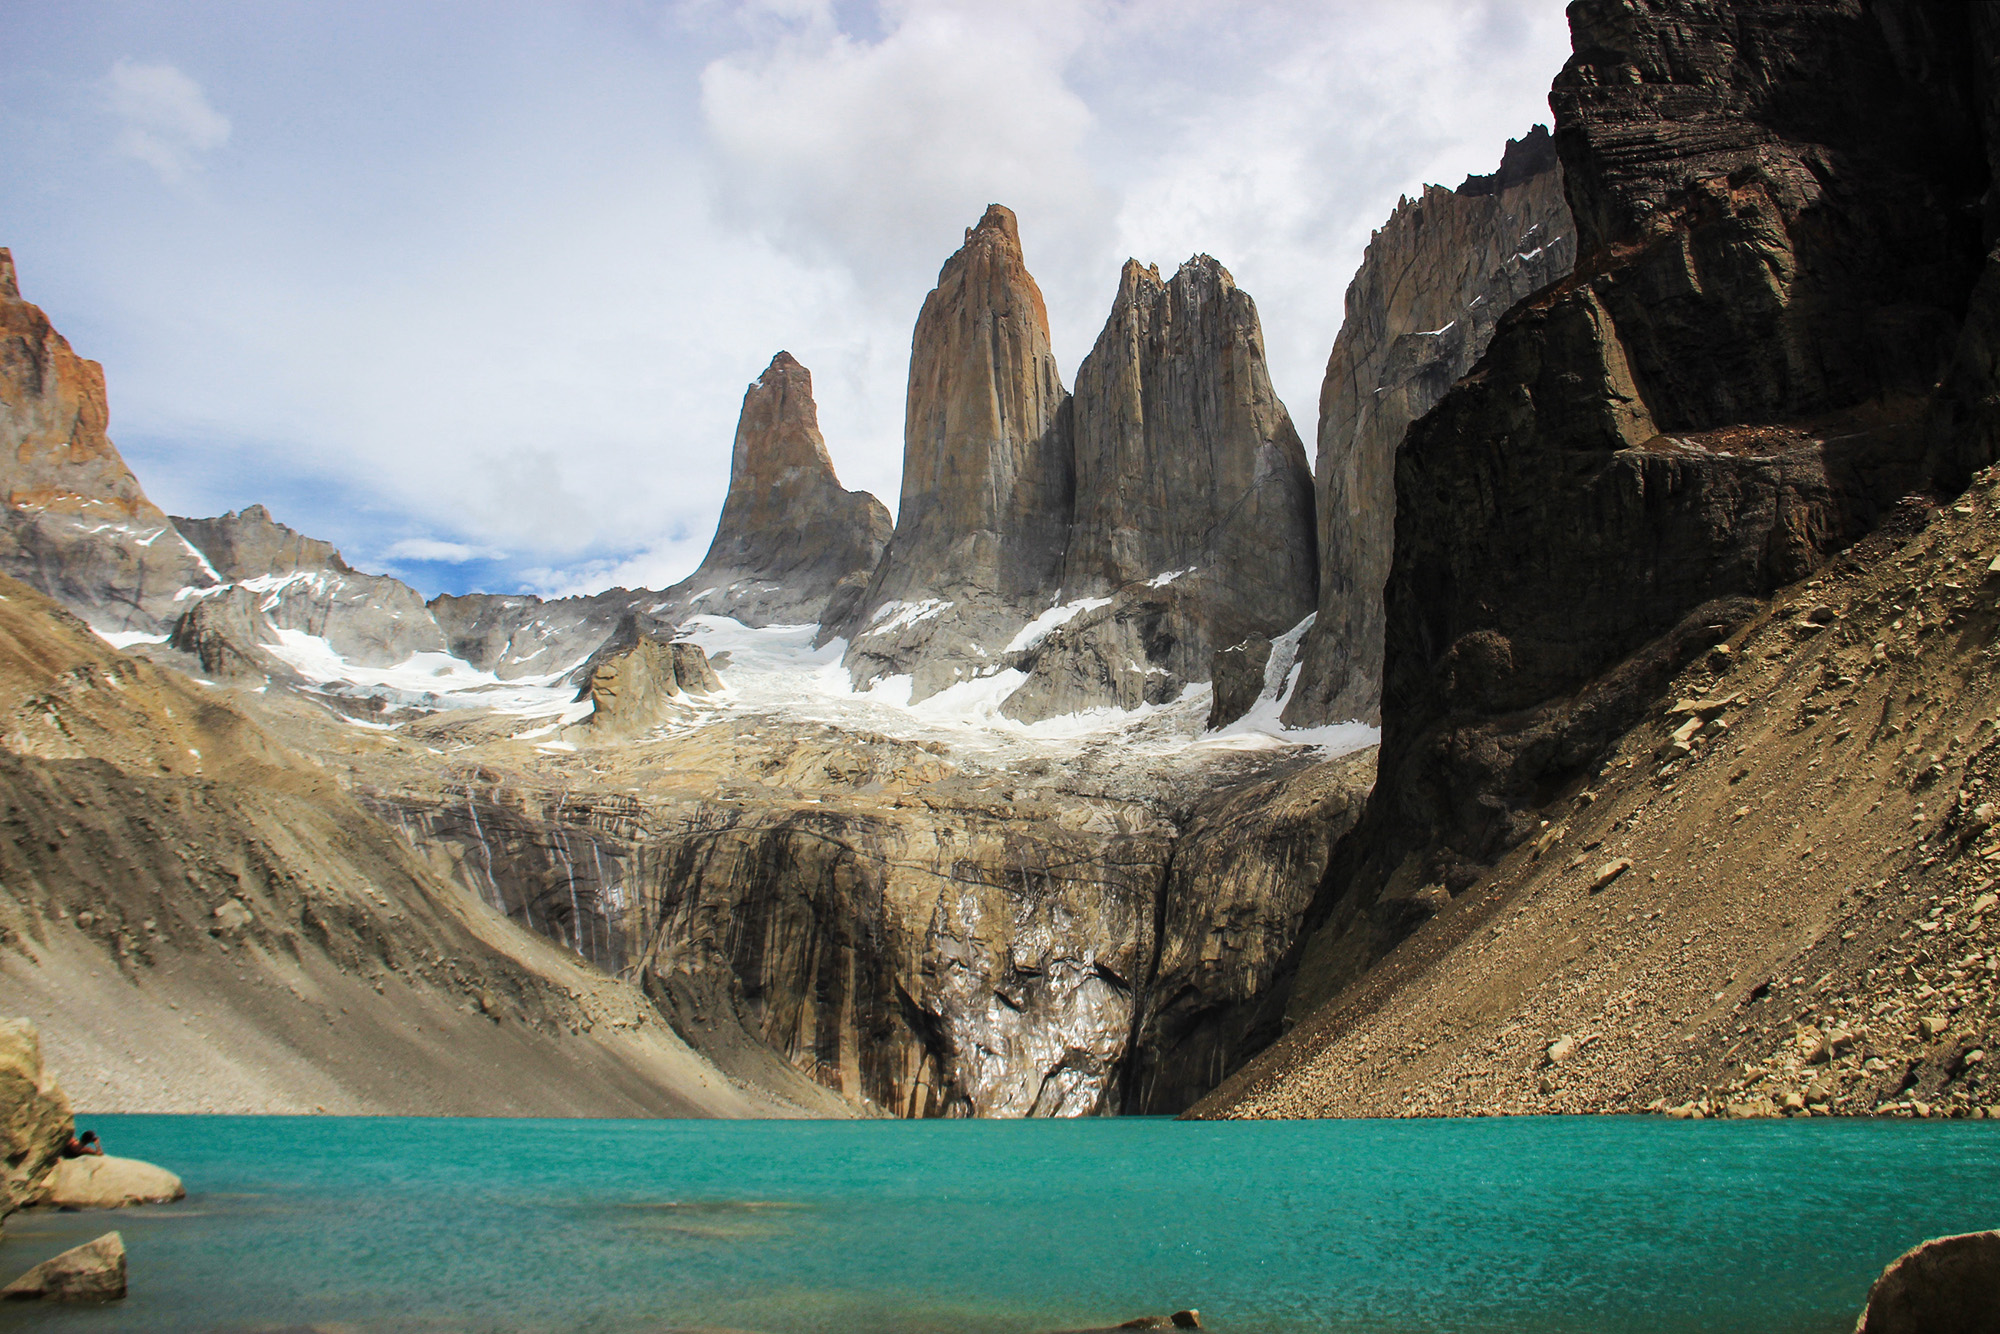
pixel 1552 1225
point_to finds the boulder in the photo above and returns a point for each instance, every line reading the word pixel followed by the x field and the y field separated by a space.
pixel 92 1272
pixel 35 1119
pixel 638 679
pixel 108 1183
pixel 1949 1285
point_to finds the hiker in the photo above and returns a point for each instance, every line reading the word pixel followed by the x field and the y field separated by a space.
pixel 85 1147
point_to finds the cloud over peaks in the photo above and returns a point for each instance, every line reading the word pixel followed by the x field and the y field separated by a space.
pixel 167 120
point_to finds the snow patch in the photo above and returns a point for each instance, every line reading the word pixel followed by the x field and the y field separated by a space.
pixel 891 616
pixel 1050 621
pixel 124 639
pixel 1162 580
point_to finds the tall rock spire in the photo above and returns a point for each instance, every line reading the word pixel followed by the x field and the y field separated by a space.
pixel 987 472
pixel 1194 503
pixel 792 545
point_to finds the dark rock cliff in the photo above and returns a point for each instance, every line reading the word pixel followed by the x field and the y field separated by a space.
pixel 1779 218
pixel 988 475
pixel 1423 306
pixel 793 546
pixel 1194 506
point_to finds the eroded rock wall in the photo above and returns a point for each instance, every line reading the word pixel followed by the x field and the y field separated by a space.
pixel 1435 280
pixel 988 475
pixel 77 524
pixel 1194 504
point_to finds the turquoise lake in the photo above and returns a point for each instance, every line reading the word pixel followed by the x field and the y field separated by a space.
pixel 1517 1224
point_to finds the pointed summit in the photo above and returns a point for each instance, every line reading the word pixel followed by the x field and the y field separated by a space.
pixel 987 473
pixel 791 538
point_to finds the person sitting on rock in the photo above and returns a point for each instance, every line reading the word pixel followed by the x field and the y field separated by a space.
pixel 85 1147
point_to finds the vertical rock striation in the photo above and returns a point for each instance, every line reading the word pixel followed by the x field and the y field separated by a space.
pixel 76 525
pixel 1432 286
pixel 988 478
pixel 793 546
pixel 1194 504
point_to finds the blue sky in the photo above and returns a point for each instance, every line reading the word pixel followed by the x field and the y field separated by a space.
pixel 473 290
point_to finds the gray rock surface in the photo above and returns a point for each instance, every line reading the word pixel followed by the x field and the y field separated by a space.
pixel 92 1272
pixel 76 523
pixel 793 546
pixel 277 578
pixel 1432 286
pixel 515 635
pixel 1194 502
pixel 988 476
pixel 1236 675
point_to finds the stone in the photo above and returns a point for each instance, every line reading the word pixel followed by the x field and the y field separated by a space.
pixel 1193 503
pixel 1792 1102
pixel 92 1272
pixel 1236 678
pixel 1753 1108
pixel 639 679
pixel 793 546
pixel 75 523
pixel 35 1120
pixel 1435 280
pixel 988 476
pixel 231 917
pixel 108 1182
pixel 1933 1025
pixel 1948 1285
pixel 1601 878
pixel 1561 1050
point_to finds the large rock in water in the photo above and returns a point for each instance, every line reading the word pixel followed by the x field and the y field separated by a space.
pixel 76 523
pixel 1777 212
pixel 108 1183
pixel 987 476
pixel 92 1272
pixel 1194 503
pixel 1432 287
pixel 1950 1285
pixel 35 1119
pixel 793 546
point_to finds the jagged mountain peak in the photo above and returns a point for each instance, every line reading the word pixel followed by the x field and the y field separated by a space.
pixel 997 223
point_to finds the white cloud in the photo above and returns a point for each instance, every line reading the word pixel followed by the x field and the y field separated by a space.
pixel 432 549
pixel 167 118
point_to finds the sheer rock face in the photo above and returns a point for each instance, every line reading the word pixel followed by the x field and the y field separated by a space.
pixel 1778 225
pixel 793 546
pixel 1432 287
pixel 77 524
pixel 1194 504
pixel 515 635
pixel 276 578
pixel 988 477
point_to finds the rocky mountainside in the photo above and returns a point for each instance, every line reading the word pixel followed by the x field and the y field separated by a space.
pixel 1431 289
pixel 988 475
pixel 200 919
pixel 1193 522
pixel 76 522
pixel 1777 330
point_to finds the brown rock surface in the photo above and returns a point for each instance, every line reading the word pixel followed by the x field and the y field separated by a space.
pixel 988 475
pixel 1948 1285
pixel 1431 289
pixel 1193 499
pixel 92 1272
pixel 76 522
pixel 793 546
pixel 35 1119
pixel 638 680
